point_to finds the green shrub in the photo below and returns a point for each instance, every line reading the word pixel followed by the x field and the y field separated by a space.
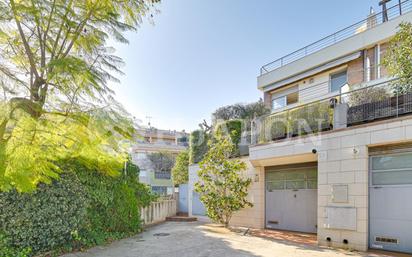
pixel 233 129
pixel 8 251
pixel 114 205
pixel 82 208
pixel 45 219
pixel 198 145
pixel 180 171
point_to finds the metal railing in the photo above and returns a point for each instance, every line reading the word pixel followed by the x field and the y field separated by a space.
pixel 381 101
pixel 359 27
pixel 162 175
pixel 305 119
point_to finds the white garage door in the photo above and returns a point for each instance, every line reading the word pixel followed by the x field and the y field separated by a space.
pixel 291 198
pixel 390 193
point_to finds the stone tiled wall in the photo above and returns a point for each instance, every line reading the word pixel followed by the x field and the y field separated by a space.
pixel 343 159
pixel 254 216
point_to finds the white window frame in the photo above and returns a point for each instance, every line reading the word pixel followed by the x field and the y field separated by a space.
pixel 284 102
pixel 330 79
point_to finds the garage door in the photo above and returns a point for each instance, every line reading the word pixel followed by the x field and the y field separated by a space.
pixel 390 193
pixel 291 198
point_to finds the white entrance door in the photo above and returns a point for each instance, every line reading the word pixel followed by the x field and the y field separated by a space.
pixel 390 193
pixel 291 198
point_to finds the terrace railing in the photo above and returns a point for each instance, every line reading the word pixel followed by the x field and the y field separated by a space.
pixel 381 101
pixel 162 175
pixel 359 27
pixel 385 100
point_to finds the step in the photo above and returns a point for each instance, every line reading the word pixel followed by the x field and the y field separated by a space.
pixel 181 219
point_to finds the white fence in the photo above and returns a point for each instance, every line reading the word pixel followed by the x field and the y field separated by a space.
pixel 158 211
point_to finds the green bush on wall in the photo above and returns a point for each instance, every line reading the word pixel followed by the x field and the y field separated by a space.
pixel 45 219
pixel 232 128
pixel 198 145
pixel 82 208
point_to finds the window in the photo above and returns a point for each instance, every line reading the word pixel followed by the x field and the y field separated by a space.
pixel 285 100
pixel 338 80
pixel 292 179
pixel 393 169
pixel 141 156
pixel 159 190
pixel 142 173
pixel 279 103
pixel 292 98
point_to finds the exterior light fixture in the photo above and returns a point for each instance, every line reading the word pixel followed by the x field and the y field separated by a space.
pixel 256 177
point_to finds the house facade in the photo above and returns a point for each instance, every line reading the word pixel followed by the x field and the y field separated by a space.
pixel 154 153
pixel 335 155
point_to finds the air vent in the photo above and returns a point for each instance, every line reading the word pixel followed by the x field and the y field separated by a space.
pixel 275 222
pixel 386 240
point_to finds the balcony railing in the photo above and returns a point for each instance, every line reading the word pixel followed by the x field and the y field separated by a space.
pixel 359 27
pixel 386 100
pixel 306 119
pixel 162 175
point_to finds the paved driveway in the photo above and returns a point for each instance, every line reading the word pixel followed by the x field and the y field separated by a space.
pixel 197 239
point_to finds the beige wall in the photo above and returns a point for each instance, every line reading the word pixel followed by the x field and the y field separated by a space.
pixel 248 217
pixel 338 164
pixel 253 217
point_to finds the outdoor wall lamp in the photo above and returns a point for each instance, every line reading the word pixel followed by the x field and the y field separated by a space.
pixel 256 177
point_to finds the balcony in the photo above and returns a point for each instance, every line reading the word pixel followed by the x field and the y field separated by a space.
pixel 385 100
pixel 162 175
pixel 359 27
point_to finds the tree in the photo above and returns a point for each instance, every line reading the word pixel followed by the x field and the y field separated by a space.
pixel 55 98
pixel 398 58
pixel 240 111
pixel 161 161
pixel 221 186
pixel 180 171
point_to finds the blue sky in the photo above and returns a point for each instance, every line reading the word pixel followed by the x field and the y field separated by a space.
pixel 203 54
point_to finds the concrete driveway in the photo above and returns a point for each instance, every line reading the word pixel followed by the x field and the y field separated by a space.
pixel 196 239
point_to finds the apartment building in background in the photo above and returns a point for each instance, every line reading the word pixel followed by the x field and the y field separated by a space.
pixel 154 153
pixel 334 157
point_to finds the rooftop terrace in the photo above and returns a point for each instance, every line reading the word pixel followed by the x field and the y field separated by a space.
pixel 371 21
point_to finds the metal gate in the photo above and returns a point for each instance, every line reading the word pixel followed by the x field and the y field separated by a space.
pixel 183 201
pixel 390 197
pixel 291 198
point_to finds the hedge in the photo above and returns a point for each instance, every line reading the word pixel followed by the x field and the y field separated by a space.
pixel 81 209
pixel 232 128
pixel 198 145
